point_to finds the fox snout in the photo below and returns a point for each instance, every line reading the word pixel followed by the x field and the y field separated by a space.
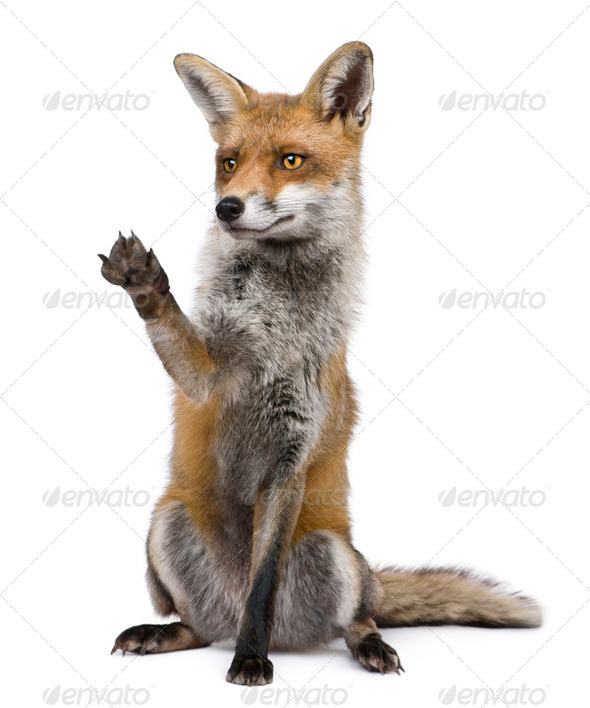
pixel 253 216
pixel 229 209
pixel 296 212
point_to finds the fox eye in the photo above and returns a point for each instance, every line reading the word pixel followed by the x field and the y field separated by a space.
pixel 229 165
pixel 292 162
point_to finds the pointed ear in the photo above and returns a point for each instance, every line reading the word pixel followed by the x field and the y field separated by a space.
pixel 218 94
pixel 343 86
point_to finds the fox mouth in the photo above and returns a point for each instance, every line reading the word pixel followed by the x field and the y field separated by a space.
pixel 241 231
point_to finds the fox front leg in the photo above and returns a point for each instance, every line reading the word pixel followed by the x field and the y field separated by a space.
pixel 139 272
pixel 183 354
pixel 277 519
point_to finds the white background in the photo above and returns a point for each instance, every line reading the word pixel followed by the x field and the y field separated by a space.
pixel 454 399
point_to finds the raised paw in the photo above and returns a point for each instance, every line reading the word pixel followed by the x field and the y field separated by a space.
pixel 137 271
pixel 375 655
pixel 250 671
pixel 143 639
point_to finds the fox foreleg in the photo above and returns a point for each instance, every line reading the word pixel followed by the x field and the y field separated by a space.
pixel 183 354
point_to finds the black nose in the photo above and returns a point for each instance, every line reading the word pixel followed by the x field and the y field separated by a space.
pixel 229 209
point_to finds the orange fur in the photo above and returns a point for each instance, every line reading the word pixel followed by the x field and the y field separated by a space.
pixel 326 477
pixel 288 127
pixel 194 471
pixel 193 467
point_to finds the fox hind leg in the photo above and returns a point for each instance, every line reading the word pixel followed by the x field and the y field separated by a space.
pixel 367 645
pixel 157 639
pixel 329 591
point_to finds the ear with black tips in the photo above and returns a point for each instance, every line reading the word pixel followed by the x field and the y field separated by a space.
pixel 343 86
pixel 219 95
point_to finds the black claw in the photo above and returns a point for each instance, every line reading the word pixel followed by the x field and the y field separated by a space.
pixel 102 257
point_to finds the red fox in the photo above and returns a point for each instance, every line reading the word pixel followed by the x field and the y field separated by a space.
pixel 264 406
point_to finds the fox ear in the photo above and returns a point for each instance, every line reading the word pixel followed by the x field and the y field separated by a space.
pixel 343 86
pixel 218 94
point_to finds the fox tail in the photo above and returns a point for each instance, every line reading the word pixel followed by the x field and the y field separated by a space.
pixel 449 596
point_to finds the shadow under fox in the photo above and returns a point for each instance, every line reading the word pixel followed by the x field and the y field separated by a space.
pixel 264 407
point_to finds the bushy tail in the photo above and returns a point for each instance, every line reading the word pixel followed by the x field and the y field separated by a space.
pixel 449 596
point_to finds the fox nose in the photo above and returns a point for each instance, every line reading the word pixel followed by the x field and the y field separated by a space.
pixel 229 209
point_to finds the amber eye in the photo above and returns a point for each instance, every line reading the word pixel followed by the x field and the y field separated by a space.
pixel 292 162
pixel 229 165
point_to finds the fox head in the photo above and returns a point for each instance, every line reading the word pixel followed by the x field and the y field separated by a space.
pixel 286 166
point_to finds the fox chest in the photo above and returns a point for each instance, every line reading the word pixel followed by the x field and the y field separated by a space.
pixel 273 342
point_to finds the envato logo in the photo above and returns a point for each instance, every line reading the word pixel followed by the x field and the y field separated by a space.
pixel 123 696
pixel 522 101
pixel 512 300
pixel 270 696
pixel 86 497
pixel 314 497
pixel 91 101
pixel 513 696
pixel 507 497
pixel 72 300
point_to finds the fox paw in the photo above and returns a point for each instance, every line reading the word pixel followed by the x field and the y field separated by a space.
pixel 250 671
pixel 143 639
pixel 137 271
pixel 375 655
